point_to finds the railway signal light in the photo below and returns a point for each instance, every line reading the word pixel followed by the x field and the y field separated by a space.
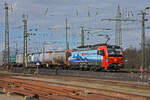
pixel 141 69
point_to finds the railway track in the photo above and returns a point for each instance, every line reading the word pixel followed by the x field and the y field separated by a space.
pixel 100 75
pixel 44 91
pixel 100 81
pixel 58 91
pixel 129 84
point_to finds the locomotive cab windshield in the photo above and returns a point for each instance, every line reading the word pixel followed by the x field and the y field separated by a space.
pixel 114 51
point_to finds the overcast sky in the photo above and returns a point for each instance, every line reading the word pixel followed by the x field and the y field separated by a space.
pixel 46 18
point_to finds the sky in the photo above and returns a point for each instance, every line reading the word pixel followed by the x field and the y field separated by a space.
pixel 46 18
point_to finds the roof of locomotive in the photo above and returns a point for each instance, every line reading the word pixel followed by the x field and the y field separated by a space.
pixel 95 46
pixel 91 46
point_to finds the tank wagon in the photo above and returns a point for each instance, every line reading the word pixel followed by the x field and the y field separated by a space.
pixel 49 59
pixel 89 57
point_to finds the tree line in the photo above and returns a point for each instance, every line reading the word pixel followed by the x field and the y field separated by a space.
pixel 133 57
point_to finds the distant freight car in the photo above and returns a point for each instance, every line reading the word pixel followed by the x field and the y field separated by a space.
pixel 96 57
pixel 19 59
pixel 12 59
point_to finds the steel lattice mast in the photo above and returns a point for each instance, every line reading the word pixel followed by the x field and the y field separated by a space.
pixel 118 32
pixel 25 42
pixel 6 52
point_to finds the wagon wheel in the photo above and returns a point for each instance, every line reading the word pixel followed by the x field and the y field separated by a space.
pixel 91 69
pixel 95 69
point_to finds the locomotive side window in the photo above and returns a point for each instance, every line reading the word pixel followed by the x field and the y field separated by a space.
pixel 98 52
pixel 101 52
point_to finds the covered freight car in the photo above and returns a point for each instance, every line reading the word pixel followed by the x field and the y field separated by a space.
pixel 19 58
pixel 12 59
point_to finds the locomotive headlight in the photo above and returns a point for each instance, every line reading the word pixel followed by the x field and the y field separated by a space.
pixel 106 59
